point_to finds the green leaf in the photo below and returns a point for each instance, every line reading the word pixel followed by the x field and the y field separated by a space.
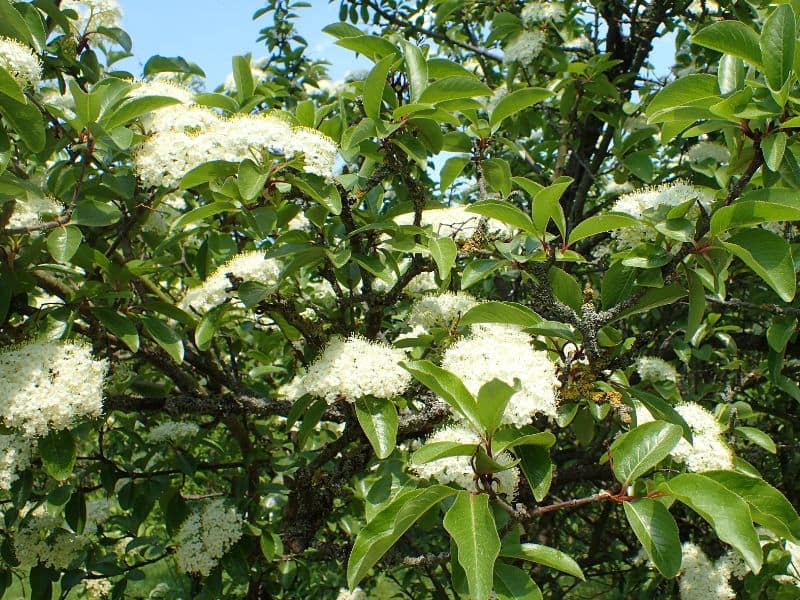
pixel 697 304
pixel 505 212
pixel 508 313
pixel 202 213
pixel 497 172
pixel 171 64
pixel 537 467
pixel 773 147
pixel 476 270
pixel 436 450
pixel 388 526
pixel 311 418
pixel 471 526
pixel 250 180
pixel 770 256
pixel 546 205
pixel 757 437
pixel 136 107
pixel 600 224
pixel 208 326
pixel 208 171
pixel 511 437
pixel 752 212
pixel 725 511
pixel 516 101
pixel 371 46
pixel 243 76
pixel 682 92
pixel 512 583
pixel 780 332
pixel 453 88
pixel 10 87
pixel 94 213
pixel 640 164
pixel 59 452
pixel 777 45
pixel 544 555
pixel 374 85
pixel 446 385
pixel 120 325
pixel 636 452
pixel 451 169
pixel 12 24
pixel 417 69
pixel 658 533
pixel 493 398
pixel 565 287
pixel 25 119
pixel 63 242
pixel 319 190
pixel 378 420
pixel 768 506
pixel 731 37
pixel 444 252
pixel 164 336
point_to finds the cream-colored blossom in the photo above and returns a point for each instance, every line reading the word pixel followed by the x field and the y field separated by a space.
pixel 708 150
pixel 536 12
pixel 21 62
pixel 15 456
pixel 652 368
pixel 354 367
pixel 524 47
pixel 248 266
pixel 49 386
pixel 42 539
pixel 94 13
pixel 700 578
pixel 34 211
pixel 506 354
pixel 171 431
pixel 206 535
pixel 440 310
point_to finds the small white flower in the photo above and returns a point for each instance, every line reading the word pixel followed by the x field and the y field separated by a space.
pixel 652 368
pixel 206 535
pixel 700 579
pixel 524 47
pixel 94 13
pixel 440 310
pixel 708 150
pixel 171 431
pixel 536 12
pixel 34 211
pixel 15 456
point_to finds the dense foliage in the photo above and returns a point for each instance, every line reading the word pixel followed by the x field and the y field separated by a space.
pixel 504 316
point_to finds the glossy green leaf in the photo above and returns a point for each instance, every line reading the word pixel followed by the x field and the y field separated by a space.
pixel 94 213
pixel 777 43
pixel 546 206
pixel 25 120
pixel 493 397
pixel 388 526
pixel 13 25
pixel 378 420
pixel 446 385
pixel 682 92
pixel 120 325
pixel 516 101
pixel 243 76
pixel 10 87
pixel 444 252
pixel 451 169
pixel 63 242
pixel 724 510
pixel 658 533
pixel 134 108
pixel 453 88
pixel 752 212
pixel 374 85
pixel 471 525
pixel 757 437
pixel 636 452
pixel 544 555
pixel 537 467
pixel 773 148
pixel 59 453
pixel 503 211
pixel 417 68
pixel 512 583
pixel 508 313
pixel 600 224
pixel 435 450
pixel 731 37
pixel 165 336
pixel 769 256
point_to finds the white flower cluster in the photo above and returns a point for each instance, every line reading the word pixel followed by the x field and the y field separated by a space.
pixel 440 310
pixel 356 594
pixel 708 450
pixel 34 211
pixel 201 136
pixel 96 589
pixel 701 579
pixel 21 62
pixel 652 368
pixel 458 470
pixel 248 266
pixel 206 535
pixel 524 47
pixel 506 354
pixel 49 386
pixel 648 205
pixel 94 13
pixel 454 221
pixel 354 367
pixel 536 12
pixel 41 539
pixel 708 150
pixel 171 431
pixel 15 456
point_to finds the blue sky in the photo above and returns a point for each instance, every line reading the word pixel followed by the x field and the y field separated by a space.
pixel 210 32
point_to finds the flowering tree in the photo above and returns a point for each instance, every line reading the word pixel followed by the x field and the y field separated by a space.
pixel 504 316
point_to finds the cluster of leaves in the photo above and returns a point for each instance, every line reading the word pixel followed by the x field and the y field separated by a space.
pixel 544 148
